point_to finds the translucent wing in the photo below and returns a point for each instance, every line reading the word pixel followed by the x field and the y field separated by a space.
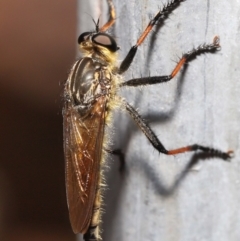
pixel 83 137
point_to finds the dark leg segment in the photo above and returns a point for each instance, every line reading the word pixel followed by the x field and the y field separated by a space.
pixel 185 58
pixel 145 129
pixel 90 235
pixel 160 16
pixel 159 146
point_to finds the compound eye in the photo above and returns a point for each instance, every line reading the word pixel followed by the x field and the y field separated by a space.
pixel 84 36
pixel 106 41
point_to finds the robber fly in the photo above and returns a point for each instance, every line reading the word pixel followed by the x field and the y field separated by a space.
pixel 90 94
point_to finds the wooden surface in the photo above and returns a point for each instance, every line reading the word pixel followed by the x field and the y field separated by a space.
pixel 158 197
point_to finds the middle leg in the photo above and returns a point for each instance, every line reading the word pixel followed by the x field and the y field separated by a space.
pixel 185 58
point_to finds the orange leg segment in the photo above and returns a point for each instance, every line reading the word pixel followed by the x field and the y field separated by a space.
pixel 112 17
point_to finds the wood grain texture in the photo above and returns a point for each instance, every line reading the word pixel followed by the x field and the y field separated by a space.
pixel 158 198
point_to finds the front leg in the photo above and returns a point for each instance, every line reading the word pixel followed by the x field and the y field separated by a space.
pixel 160 16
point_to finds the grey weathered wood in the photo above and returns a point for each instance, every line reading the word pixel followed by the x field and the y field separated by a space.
pixel 201 105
